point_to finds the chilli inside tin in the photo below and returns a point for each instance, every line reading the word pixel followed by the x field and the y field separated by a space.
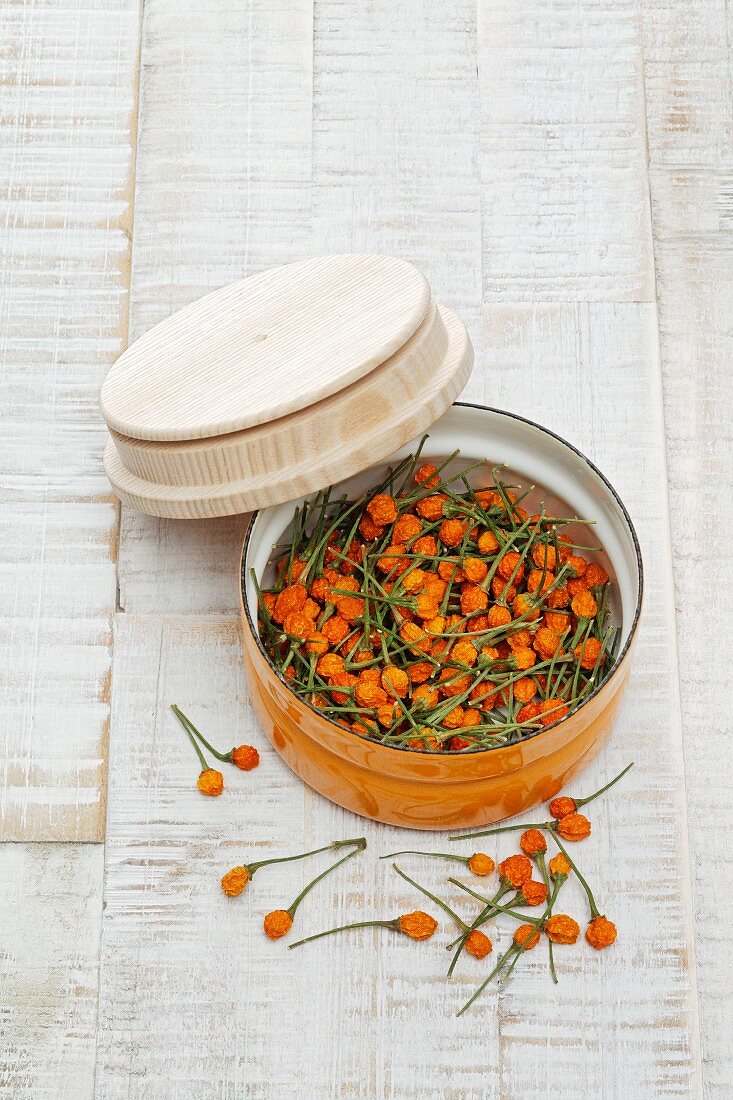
pixel 435 613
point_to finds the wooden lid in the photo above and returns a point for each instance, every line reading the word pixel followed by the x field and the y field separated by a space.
pixel 279 385
pixel 264 347
pixel 272 463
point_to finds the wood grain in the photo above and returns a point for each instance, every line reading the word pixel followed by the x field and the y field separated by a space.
pixel 170 936
pixel 688 85
pixel 390 106
pixel 603 388
pixel 57 570
pixel 563 158
pixel 50 912
pixel 270 133
pixel 69 75
pixel 179 564
pixel 265 347
pixel 566 196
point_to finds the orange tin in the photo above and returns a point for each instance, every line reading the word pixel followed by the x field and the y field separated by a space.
pixel 453 791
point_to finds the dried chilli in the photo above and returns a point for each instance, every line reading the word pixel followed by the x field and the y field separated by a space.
pixel 437 616
pixel 211 782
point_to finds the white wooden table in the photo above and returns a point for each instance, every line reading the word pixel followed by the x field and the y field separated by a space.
pixel 562 171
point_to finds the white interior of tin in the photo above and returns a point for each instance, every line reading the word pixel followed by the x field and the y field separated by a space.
pixel 569 483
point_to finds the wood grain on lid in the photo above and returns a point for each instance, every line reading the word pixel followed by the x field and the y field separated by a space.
pixel 275 448
pixel 344 435
pixel 264 347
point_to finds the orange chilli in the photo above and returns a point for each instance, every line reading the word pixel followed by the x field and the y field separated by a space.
pixel 417 925
pixel 279 922
pixel 574 827
pixel 561 928
pixel 427 581
pixel 601 933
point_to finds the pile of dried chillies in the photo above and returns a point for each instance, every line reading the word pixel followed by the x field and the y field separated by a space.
pixel 517 889
pixel 436 616
pixel 515 878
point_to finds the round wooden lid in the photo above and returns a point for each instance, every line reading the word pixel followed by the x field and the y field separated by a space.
pixel 308 450
pixel 264 347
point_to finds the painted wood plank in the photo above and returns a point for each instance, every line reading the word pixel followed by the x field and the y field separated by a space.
pixel 695 305
pixel 591 372
pixel 233 228
pixel 348 1005
pixel 67 120
pixel 438 227
pixel 223 191
pixel 170 937
pixel 392 170
pixel 57 571
pixel 689 104
pixel 50 913
pixel 393 220
pixel 66 132
pixel 395 95
pixel 180 564
pixel 563 157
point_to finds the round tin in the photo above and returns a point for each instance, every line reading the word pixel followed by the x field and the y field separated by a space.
pixel 454 790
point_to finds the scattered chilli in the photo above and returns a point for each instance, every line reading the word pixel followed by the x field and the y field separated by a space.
pixel 279 922
pixel 518 888
pixel 417 925
pixel 210 781
pixel 234 881
pixel 438 616
pixel 557 928
pixel 478 943
pixel 244 757
pixel 478 864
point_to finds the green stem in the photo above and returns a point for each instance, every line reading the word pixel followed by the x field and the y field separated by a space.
pixel 545 825
pixel 191 729
pixel 194 742
pixel 359 846
pixel 594 911
pixel 551 894
pixel 252 867
pixel 512 952
pixel 412 466
pixel 505 829
pixel 501 908
pixel 551 955
pixel 520 951
pixel 602 790
pixel 516 950
pixel 393 924
pixel 446 908
pixel 484 916
pixel 474 893
pixel 433 855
